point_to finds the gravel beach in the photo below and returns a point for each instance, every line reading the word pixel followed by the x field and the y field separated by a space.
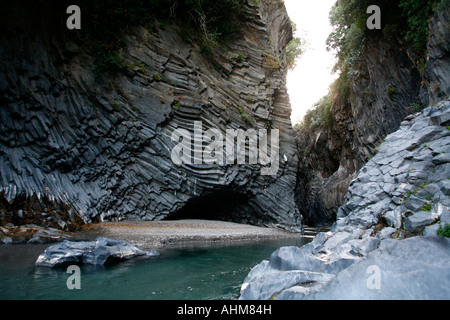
pixel 157 234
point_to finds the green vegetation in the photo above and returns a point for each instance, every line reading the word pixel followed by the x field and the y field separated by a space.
pixel 209 22
pixel 320 115
pixel 239 58
pixel 417 13
pixel 415 107
pixel 404 20
pixel 271 63
pixel 294 49
pixel 246 116
pixel 116 106
pixel 444 232
pixel 391 91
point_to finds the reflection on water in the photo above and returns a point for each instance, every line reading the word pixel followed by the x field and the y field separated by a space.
pixel 194 273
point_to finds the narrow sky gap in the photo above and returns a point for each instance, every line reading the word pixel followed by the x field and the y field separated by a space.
pixel 313 75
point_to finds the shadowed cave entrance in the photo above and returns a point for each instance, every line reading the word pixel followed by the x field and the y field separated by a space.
pixel 222 205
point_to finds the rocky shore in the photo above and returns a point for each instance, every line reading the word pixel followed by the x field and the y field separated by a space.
pixel 37 219
pixel 112 242
pixel 385 244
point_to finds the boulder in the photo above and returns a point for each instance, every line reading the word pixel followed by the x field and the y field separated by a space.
pixel 445 218
pixel 416 268
pixel 48 235
pixel 5 240
pixel 268 286
pixel 100 252
pixel 431 231
pixel 412 269
pixel 419 219
pixel 394 218
pixel 293 266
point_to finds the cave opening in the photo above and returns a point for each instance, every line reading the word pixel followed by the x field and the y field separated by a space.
pixel 221 205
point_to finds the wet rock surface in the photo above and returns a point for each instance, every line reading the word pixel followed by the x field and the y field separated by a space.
pixel 36 219
pixel 31 234
pixel 100 252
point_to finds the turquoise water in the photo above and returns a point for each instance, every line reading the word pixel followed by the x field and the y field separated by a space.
pixel 199 273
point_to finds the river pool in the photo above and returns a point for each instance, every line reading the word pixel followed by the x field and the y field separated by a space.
pixel 197 272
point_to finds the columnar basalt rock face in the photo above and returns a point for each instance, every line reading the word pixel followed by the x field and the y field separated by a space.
pixel 106 148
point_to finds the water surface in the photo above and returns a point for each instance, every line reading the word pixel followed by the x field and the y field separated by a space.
pixel 209 272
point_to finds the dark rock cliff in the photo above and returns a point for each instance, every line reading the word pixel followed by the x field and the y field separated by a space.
pixel 387 86
pixel 437 69
pixel 105 148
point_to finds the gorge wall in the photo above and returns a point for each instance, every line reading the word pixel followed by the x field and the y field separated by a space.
pixel 393 222
pixel 387 85
pixel 105 147
pixel 381 175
